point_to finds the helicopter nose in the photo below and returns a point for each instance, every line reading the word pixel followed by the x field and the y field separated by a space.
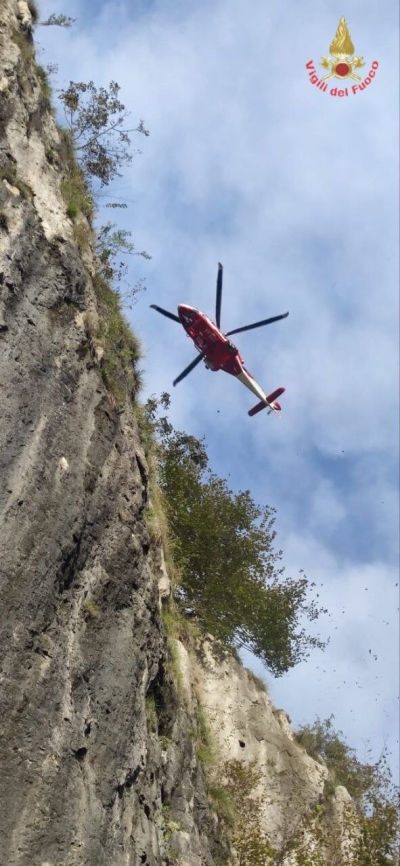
pixel 185 312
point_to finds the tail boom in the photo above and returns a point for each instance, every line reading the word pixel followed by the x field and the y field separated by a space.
pixel 270 402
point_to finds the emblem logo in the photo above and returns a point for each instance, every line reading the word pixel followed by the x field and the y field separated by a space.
pixel 341 64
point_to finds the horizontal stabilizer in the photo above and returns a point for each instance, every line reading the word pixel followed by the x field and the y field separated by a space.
pixel 271 400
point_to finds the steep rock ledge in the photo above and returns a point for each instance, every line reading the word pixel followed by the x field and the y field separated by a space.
pixel 246 727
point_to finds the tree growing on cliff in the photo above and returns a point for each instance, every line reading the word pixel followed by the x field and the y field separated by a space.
pixel 371 787
pixel 251 844
pixel 96 119
pixel 96 146
pixel 112 245
pixel 60 20
pixel 232 578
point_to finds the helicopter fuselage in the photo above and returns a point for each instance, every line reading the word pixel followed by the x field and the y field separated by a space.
pixel 219 351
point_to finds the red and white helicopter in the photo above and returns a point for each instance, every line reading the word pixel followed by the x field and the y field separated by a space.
pixel 217 351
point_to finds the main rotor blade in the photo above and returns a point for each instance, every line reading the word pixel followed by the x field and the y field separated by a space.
pixel 257 324
pixel 218 296
pixel 165 313
pixel 189 369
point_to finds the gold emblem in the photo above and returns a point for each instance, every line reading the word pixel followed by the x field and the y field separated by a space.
pixel 342 63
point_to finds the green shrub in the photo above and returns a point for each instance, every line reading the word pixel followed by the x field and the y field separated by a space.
pixel 205 749
pixel 122 349
pixel 76 195
pixel 90 609
pixel 74 186
pixel 222 804
pixel 72 210
pixel 44 86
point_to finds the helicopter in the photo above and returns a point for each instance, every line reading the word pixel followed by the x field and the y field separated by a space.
pixel 217 350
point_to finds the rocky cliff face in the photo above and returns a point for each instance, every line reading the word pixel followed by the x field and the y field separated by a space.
pixel 297 815
pixel 98 762
pixel 82 779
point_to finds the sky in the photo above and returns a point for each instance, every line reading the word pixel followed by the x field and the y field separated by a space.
pixel 296 192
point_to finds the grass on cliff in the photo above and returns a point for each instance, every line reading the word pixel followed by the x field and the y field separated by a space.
pixel 260 682
pixel 9 173
pixel 122 350
pixel 24 44
pixel 94 158
pixel 45 87
pixel 74 187
pixel 157 520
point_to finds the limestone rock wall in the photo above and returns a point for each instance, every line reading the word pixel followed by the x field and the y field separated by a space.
pixel 246 727
pixel 82 776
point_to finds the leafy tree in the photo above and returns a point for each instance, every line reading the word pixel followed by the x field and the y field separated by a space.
pixel 232 579
pixel 322 741
pixel 370 785
pixel 98 138
pixel 379 842
pixel 96 119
